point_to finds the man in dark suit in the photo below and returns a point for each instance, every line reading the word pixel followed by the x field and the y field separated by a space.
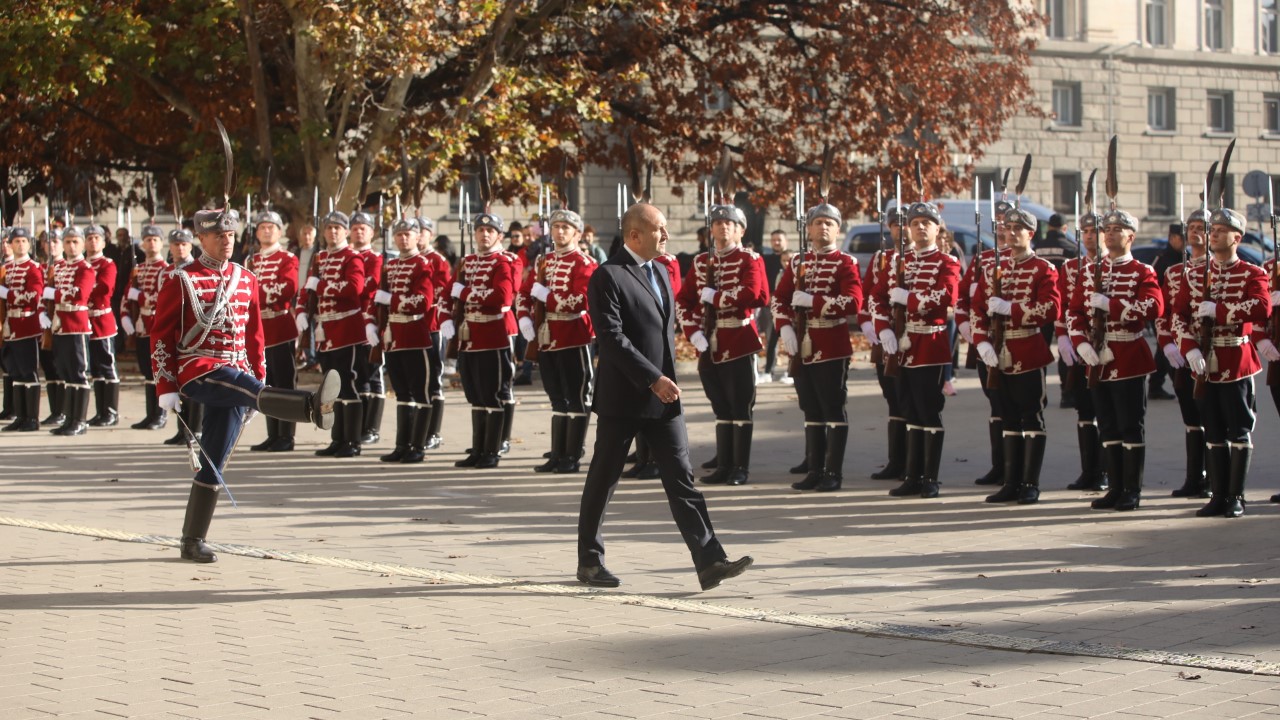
pixel 632 309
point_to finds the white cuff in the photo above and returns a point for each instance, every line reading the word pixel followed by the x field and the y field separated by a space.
pixel 50 293
pixel 382 297
pixel 134 293
pixel 456 291
pixel 313 282
pixel 540 291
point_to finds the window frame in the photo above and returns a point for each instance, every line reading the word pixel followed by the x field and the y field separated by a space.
pixel 1076 107
pixel 1227 100
pixel 1167 207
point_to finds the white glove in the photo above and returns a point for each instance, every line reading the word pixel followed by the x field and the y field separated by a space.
pixel 1207 309
pixel 966 331
pixel 1275 298
pixel 540 291
pixel 1268 350
pixel 889 341
pixel 127 323
pixel 382 297
pixel 4 292
pixel 134 293
pixel 456 291
pixel 171 402
pixel 789 340
pixel 801 299
pixel 869 330
pixel 999 306
pixel 313 282
pixel 973 289
pixel 50 293
pixel 1100 302
pixel 303 322
pixel 446 331
pixel 527 329
pixel 371 334
pixel 987 352
pixel 1066 351
pixel 45 322
pixel 699 341
pixel 708 295
pixel 899 296
pixel 1087 353
pixel 1174 355
pixel 1195 359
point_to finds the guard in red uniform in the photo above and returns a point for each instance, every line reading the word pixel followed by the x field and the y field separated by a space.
pixel 51 244
pixel 1027 300
pixel 441 282
pixel 208 346
pixel 1175 278
pixel 102 342
pixel 1236 301
pixel 277 271
pixel 181 243
pixel 369 384
pixel 1129 298
pixel 879 267
pixel 557 292
pixel 73 284
pixel 487 289
pixel 931 280
pixel 338 288
pixel 21 290
pixel 817 293
pixel 1093 475
pixel 730 279
pixel 136 318
pixel 964 305
pixel 405 336
pixel 1266 344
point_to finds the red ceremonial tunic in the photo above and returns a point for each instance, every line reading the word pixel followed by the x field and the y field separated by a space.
pixel 277 275
pixel 1169 293
pixel 741 288
pixel 412 304
pixel 372 280
pixel 25 280
pixel 1243 301
pixel 1068 279
pixel 969 282
pixel 672 264
pixel 183 348
pixel 101 317
pixel 878 267
pixel 73 283
pixel 932 279
pixel 1031 286
pixel 567 323
pixel 441 281
pixel 1135 301
pixel 144 290
pixel 832 278
pixel 340 317
pixel 490 292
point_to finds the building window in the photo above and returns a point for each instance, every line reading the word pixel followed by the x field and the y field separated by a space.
pixel 1270 27
pixel 471 183
pixel 1160 109
pixel 1066 189
pixel 1271 114
pixel 987 179
pixel 1059 25
pixel 1156 19
pixel 1066 104
pixel 1214 24
pixel 1220 112
pixel 716 99
pixel 1160 195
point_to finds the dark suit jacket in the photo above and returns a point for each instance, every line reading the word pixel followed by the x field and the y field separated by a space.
pixel 635 337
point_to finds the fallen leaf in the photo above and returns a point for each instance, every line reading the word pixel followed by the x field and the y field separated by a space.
pixel 1199 575
pixel 421 519
pixel 317 540
pixel 201 579
pixel 981 575
pixel 1248 627
pixel 1184 675
pixel 456 557
pixel 979 683
pixel 113 479
pixel 1061 570
pixel 1253 581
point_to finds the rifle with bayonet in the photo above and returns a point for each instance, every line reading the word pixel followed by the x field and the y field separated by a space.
pixel 1273 325
pixel 724 184
pixel 881 259
pixel 466 228
pixel 1098 328
pixel 540 276
pixel 313 268
pixel 899 312
pixel 1206 291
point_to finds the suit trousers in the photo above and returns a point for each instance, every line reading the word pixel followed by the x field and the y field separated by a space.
pixel 1021 401
pixel 669 442
pixel 889 391
pixel 21 358
pixel 343 361
pixel 1122 410
pixel 102 359
pixel 71 357
pixel 408 370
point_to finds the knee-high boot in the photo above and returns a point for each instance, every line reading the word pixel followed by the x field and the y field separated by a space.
pixel 195 528
pixel 1135 460
pixel 1193 484
pixel 574 441
pixel 833 463
pixel 494 429
pixel 815 450
pixel 897 436
pixel 1011 451
pixel 404 428
pixel 433 424
pixel 477 439
pixel 1217 465
pixel 1113 459
pixel 559 426
pixel 741 460
pixel 933 439
pixel 421 423
pixel 912 474
pixel 1033 446
pixel 995 436
pixel 1241 454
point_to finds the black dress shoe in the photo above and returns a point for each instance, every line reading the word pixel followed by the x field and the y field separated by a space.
pixel 1159 393
pixel 598 576
pixel 722 570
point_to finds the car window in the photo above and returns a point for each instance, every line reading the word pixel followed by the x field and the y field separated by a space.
pixel 866 242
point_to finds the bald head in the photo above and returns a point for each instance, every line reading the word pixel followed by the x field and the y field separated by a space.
pixel 644 230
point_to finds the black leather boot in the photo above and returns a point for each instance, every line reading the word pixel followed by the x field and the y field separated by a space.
pixel 1193 484
pixel 995 436
pixel 273 434
pixel 815 449
pixel 494 427
pixel 337 431
pixel 19 401
pixel 477 439
pixel 1238 473
pixel 57 393
pixel 112 404
pixel 559 426
pixel 420 423
pixel 833 475
pixel 1135 460
pixel 1033 445
pixel 436 418
pixel 372 423
pixel 508 422
pixel 911 474
pixel 352 429
pixel 892 470
pixel 1113 459
pixel 574 441
pixel 1217 466
pixel 7 406
pixel 404 428
pixel 1011 452
pixel 724 454
pixel 741 454
pixel 195 528
pixel 77 407
pixel 99 403
pixel 184 417
pixel 152 405
pixel 284 443
pixel 933 440
pixel 31 403
pixel 303 405
pixel 1092 474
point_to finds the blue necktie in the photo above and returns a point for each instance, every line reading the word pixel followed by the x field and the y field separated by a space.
pixel 657 287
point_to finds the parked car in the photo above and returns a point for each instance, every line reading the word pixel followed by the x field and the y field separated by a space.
pixel 1149 251
pixel 862 241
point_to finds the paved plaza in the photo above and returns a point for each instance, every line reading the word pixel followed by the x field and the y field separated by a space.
pixel 355 589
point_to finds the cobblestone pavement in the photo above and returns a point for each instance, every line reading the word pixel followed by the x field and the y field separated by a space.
pixel 433 592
